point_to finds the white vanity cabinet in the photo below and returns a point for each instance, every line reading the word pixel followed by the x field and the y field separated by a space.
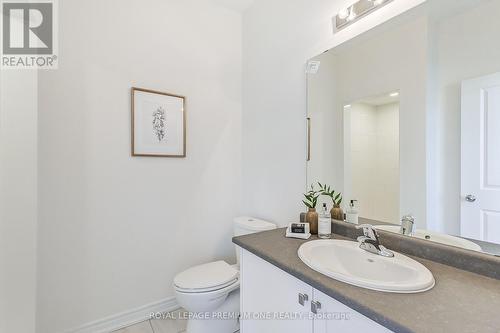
pixel 273 301
pixel 333 316
pixel 266 293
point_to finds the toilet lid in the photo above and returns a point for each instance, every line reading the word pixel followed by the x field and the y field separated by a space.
pixel 206 276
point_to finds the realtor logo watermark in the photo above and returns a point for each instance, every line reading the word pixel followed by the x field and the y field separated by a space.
pixel 29 34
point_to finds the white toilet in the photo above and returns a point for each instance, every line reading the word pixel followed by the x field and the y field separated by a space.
pixel 210 292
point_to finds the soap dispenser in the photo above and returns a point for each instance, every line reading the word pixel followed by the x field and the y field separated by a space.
pixel 325 224
pixel 352 215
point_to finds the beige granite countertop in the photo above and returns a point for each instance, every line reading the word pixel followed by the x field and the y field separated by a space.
pixel 460 301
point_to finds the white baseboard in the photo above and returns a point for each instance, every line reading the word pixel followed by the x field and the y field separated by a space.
pixel 127 318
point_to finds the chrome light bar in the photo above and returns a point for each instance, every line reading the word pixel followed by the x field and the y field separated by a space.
pixel 353 13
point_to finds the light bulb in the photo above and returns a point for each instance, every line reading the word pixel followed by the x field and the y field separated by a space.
pixel 352 14
pixel 343 13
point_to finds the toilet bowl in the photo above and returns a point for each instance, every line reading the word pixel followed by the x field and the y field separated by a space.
pixel 210 292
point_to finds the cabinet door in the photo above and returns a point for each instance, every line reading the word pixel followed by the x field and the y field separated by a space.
pixel 270 299
pixel 335 317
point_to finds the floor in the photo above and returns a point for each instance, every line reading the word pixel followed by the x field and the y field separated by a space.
pixel 170 325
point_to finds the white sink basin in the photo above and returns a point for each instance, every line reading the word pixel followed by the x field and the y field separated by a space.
pixel 345 261
pixel 435 237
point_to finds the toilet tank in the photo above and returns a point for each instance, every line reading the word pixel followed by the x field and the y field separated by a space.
pixel 245 225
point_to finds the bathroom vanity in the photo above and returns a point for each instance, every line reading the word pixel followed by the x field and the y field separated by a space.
pixel 279 293
pixel 276 301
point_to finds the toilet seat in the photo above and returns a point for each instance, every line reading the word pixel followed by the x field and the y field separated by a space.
pixel 207 278
pixel 207 290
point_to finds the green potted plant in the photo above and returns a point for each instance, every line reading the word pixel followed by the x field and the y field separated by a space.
pixel 336 212
pixel 311 200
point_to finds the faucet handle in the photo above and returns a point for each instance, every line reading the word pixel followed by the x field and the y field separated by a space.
pixel 408 218
pixel 368 231
pixel 407 225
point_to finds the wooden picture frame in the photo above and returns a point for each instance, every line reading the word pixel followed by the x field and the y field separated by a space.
pixel 158 124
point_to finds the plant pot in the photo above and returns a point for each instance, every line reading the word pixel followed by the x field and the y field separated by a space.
pixel 337 213
pixel 312 219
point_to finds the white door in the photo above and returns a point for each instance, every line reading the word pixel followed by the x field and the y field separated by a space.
pixel 480 197
pixel 334 317
pixel 270 299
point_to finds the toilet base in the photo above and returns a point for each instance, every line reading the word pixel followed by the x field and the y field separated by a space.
pixel 221 320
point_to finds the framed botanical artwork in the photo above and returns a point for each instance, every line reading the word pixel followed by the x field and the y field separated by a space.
pixel 158 124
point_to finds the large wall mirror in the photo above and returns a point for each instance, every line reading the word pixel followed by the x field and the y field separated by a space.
pixel 406 119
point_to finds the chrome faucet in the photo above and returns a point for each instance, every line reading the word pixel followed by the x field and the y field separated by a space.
pixel 407 224
pixel 370 241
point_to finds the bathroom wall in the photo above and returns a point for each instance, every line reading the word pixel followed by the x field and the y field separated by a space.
pixel 360 145
pixel 278 38
pixel 115 229
pixel 374 160
pixel 18 200
pixel 387 189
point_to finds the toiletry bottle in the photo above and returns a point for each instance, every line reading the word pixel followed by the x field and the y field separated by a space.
pixel 352 215
pixel 325 224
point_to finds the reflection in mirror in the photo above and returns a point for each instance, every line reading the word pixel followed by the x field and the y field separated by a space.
pixel 436 237
pixel 371 156
pixel 405 118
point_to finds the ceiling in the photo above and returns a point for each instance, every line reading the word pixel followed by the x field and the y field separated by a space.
pixel 380 100
pixel 237 5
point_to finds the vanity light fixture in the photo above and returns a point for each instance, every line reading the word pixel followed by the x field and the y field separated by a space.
pixel 348 106
pixel 351 14
pixel 394 94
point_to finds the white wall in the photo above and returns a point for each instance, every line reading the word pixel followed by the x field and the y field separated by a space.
pixel 374 154
pixel 387 188
pixel 360 154
pixel 278 38
pixel 114 230
pixel 374 148
pixel 18 200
